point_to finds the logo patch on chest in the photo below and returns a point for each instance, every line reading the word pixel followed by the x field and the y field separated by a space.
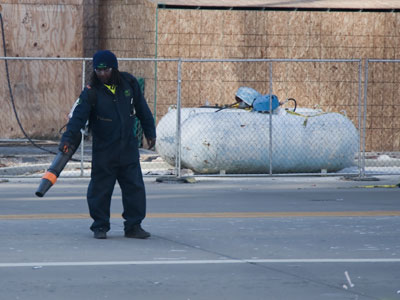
pixel 127 93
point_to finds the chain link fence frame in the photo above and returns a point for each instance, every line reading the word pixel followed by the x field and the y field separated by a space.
pixel 386 161
pixel 178 157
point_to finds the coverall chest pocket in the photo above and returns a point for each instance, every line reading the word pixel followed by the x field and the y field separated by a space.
pixel 104 124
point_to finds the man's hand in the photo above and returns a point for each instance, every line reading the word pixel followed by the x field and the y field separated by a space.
pixel 65 147
pixel 151 142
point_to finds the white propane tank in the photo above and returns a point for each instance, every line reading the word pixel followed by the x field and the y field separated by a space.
pixel 237 141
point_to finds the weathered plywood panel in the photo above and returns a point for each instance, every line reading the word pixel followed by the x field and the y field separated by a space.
pixel 43 102
pixel 355 4
pixel 44 91
pixel 43 30
pixel 43 2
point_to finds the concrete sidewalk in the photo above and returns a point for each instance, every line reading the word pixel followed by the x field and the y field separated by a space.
pixel 21 158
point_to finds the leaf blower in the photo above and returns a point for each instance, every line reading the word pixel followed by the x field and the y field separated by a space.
pixel 58 164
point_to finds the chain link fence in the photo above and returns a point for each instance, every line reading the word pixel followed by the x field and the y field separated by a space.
pixel 321 124
pixel 317 136
pixel 381 133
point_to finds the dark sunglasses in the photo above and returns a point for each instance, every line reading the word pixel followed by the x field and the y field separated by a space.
pixel 105 70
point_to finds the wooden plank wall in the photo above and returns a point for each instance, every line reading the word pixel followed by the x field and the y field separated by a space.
pixel 44 91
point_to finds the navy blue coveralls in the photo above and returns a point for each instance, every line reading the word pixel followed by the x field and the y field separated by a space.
pixel 115 154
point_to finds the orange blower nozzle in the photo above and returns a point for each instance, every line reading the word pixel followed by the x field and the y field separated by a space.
pixel 46 183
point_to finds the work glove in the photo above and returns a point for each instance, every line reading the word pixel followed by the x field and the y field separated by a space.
pixel 65 147
pixel 151 142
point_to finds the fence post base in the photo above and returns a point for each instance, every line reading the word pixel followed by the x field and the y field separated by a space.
pixel 171 179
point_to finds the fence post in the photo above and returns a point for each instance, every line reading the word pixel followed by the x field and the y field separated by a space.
pixel 362 170
pixel 178 124
pixel 83 136
pixel 270 118
pixel 360 124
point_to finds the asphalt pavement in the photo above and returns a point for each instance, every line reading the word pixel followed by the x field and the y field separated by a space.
pixel 218 238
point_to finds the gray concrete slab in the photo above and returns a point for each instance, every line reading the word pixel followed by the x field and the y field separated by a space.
pixel 220 238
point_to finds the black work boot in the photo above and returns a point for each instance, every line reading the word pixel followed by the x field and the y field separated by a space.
pixel 100 234
pixel 137 232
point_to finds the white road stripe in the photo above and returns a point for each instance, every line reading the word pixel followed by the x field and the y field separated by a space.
pixel 188 262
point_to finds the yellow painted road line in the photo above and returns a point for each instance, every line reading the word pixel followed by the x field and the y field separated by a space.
pixel 218 215
pixel 44 216
pixel 381 186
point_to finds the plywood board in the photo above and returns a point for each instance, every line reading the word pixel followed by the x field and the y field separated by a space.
pixel 354 4
pixel 44 91
pixel 44 2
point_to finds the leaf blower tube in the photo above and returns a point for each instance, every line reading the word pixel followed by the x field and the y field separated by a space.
pixel 56 167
